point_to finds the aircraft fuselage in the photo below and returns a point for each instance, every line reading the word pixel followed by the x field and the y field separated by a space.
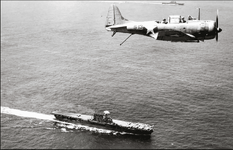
pixel 193 29
pixel 176 29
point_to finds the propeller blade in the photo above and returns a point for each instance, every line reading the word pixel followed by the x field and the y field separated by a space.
pixel 216 37
pixel 199 16
pixel 216 32
pixel 217 19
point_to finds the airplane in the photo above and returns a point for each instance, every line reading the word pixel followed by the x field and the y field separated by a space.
pixel 176 29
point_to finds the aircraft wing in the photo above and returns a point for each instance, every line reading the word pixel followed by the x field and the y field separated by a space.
pixel 172 35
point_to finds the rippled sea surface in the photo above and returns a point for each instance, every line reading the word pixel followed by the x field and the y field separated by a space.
pixel 58 56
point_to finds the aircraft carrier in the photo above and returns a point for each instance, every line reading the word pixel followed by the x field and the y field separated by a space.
pixel 104 120
pixel 172 3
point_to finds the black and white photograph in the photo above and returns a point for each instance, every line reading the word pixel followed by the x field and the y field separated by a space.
pixel 116 74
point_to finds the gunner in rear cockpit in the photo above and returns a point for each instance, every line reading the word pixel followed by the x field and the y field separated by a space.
pixel 164 21
pixel 183 20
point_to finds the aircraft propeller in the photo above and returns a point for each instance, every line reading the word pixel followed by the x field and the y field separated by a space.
pixel 198 17
pixel 217 29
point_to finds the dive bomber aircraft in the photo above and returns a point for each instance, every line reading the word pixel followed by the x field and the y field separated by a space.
pixel 175 29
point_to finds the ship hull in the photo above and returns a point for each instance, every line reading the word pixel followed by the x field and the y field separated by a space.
pixel 116 125
pixel 123 129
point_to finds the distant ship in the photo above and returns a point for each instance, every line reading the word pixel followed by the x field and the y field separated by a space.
pixel 104 120
pixel 172 3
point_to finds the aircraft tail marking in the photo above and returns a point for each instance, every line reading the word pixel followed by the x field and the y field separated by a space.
pixel 114 16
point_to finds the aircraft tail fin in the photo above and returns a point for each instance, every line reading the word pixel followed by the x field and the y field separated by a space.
pixel 114 16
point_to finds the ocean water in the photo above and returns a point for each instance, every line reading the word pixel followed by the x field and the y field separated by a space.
pixel 57 55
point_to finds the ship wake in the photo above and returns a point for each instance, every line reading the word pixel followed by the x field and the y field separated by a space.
pixel 63 125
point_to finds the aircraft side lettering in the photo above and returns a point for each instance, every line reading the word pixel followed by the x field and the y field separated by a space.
pixel 135 27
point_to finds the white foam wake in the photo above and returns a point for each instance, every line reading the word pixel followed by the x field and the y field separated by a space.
pixel 27 114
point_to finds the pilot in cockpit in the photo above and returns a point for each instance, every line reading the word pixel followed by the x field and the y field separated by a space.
pixel 190 17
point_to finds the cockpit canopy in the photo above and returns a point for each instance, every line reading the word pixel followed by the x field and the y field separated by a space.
pixel 174 19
